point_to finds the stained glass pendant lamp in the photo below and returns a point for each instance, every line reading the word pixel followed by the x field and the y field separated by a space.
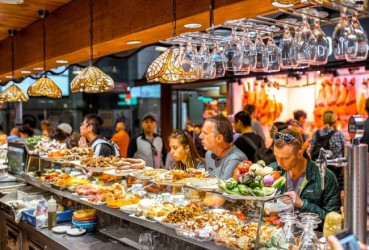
pixel 92 79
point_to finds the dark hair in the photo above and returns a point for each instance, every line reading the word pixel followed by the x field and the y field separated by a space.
pixel 296 143
pixel 30 120
pixel 250 108
pixel 367 105
pixel 277 127
pixel 26 129
pixel 184 138
pixel 95 121
pixel 58 134
pixel 223 127
pixel 244 117
pixel 298 114
pixel 72 140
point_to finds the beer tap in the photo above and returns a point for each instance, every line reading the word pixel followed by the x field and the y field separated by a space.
pixel 322 164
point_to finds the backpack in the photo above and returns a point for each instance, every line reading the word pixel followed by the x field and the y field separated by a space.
pixel 320 142
pixel 112 145
pixel 265 154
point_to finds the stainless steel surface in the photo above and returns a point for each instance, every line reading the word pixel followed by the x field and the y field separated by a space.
pixel 117 213
pixel 356 190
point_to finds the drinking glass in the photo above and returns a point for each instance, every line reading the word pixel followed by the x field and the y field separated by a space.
pixel 285 45
pixel 261 56
pixel 188 53
pixel 339 36
pixel 308 239
pixel 146 241
pixel 248 55
pixel 299 52
pixel 287 238
pixel 232 54
pixel 318 43
pixel 274 55
pixel 206 62
pixel 217 57
pixel 357 41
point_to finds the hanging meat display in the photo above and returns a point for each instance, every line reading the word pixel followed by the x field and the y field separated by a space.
pixel 264 95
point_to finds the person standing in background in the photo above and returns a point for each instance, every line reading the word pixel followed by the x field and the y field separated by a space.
pixel 148 145
pixel 297 124
pixel 248 141
pixel 255 124
pixel 121 138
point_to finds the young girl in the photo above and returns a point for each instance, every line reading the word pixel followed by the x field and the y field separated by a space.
pixel 183 151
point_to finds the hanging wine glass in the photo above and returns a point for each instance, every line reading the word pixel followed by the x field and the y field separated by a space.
pixel 217 57
pixel 261 56
pixel 340 35
pixel 299 52
pixel 188 54
pixel 232 55
pixel 357 41
pixel 274 55
pixel 206 62
pixel 248 55
pixel 318 44
pixel 285 45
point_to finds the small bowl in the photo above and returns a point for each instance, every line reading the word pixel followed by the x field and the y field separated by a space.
pixel 88 226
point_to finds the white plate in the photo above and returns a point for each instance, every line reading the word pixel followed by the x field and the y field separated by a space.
pixel 76 231
pixel 75 173
pixel 95 203
pixel 125 173
pixel 129 209
pixel 169 183
pixel 142 218
pixel 93 169
pixel 204 188
pixel 61 229
pixel 160 221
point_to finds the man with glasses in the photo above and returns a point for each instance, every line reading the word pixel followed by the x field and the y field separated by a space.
pixel 90 130
pixel 222 157
pixel 148 145
pixel 303 177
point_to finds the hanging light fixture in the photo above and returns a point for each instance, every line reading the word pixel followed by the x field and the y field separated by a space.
pixel 13 93
pixel 44 86
pixel 92 79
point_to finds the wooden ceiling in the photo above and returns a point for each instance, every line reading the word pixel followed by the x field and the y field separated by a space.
pixel 115 23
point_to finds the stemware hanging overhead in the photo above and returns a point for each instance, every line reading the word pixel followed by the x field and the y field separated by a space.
pixel 286 46
pixel 319 46
pixel 248 55
pixel 357 41
pixel 261 56
pixel 232 54
pixel 92 79
pixel 44 86
pixel 339 36
pixel 13 93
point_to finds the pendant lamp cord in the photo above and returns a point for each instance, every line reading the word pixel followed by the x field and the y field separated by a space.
pixel 91 31
pixel 174 19
pixel 13 63
pixel 44 43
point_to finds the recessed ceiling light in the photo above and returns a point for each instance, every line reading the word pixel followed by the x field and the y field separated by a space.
pixel 26 71
pixel 11 1
pixel 62 61
pixel 9 77
pixel 134 42
pixel 160 48
pixel 38 68
pixel 76 72
pixel 192 25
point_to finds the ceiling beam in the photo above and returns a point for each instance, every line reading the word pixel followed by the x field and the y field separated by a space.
pixel 115 23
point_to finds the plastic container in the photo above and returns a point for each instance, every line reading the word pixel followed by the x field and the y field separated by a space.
pixel 28 216
pixel 88 225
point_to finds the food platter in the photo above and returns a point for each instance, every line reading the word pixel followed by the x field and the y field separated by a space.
pixel 211 188
pixel 122 173
pixel 95 203
pixel 160 221
pixel 169 183
pixel 129 209
pixel 141 218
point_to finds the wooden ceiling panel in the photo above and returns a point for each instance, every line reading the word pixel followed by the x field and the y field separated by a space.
pixel 115 23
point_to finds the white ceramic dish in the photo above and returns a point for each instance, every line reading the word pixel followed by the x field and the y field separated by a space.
pixel 61 229
pixel 95 203
pixel 160 221
pixel 142 218
pixel 124 173
pixel 76 231
pixel 129 209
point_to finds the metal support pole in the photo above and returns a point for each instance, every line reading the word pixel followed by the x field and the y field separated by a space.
pixel 18 114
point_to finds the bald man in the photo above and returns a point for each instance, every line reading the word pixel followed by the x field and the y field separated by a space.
pixel 121 138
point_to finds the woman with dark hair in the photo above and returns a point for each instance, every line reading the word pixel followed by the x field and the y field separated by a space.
pixel 58 134
pixel 183 151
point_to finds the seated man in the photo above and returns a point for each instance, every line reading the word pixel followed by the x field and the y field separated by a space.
pixel 303 178
pixel 222 157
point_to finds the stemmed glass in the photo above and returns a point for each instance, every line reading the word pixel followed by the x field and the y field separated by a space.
pixel 357 41
pixel 261 56
pixel 206 62
pixel 299 52
pixel 274 55
pixel 285 45
pixel 189 61
pixel 232 54
pixel 318 44
pixel 286 237
pixel 248 55
pixel 308 239
pixel 339 36
pixel 217 57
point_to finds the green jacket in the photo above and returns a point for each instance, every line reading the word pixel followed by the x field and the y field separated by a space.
pixel 315 199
